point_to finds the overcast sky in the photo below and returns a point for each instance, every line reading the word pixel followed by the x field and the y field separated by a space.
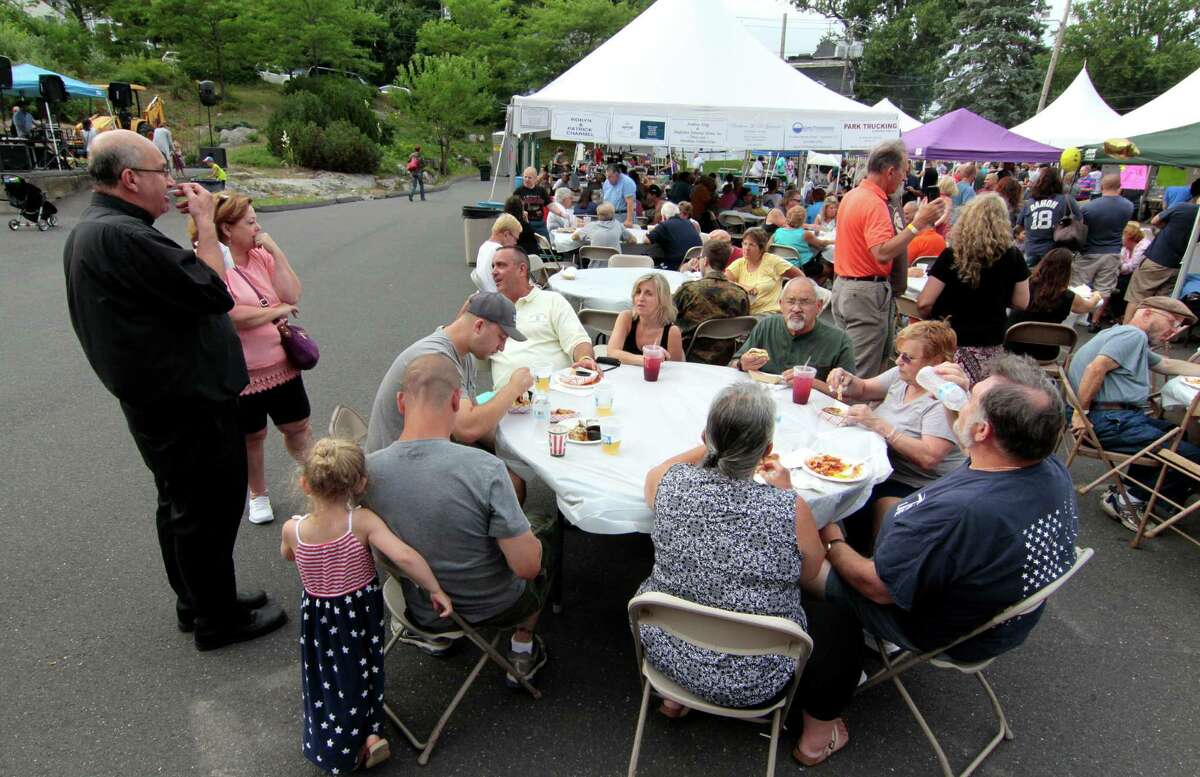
pixel 764 19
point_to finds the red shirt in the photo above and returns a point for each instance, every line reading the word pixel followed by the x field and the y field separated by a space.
pixel 864 221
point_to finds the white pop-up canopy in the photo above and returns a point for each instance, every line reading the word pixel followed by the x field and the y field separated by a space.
pixel 906 122
pixel 1179 106
pixel 686 74
pixel 1078 116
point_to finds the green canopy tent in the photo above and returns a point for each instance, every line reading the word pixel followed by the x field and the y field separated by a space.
pixel 1178 147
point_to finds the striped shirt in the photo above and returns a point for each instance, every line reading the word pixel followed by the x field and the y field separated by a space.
pixel 334 568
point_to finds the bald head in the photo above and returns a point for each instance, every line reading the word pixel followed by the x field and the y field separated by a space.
pixel 800 284
pixel 1111 183
pixel 910 211
pixel 720 235
pixel 800 305
pixel 114 151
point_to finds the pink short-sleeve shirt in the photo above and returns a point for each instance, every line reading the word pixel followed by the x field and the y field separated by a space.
pixel 265 358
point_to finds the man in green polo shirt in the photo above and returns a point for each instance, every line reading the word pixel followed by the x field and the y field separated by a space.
pixel 796 337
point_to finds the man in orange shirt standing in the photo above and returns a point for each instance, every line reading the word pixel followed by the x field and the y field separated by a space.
pixel 869 236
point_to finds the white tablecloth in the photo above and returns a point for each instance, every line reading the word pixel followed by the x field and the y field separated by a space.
pixel 1177 393
pixel 563 243
pixel 608 288
pixel 604 494
pixel 749 218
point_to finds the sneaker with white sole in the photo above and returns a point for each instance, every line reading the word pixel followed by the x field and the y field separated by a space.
pixel 1124 511
pixel 260 509
pixel 527 664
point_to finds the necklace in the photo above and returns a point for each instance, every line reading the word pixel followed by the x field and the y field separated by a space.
pixel 993 469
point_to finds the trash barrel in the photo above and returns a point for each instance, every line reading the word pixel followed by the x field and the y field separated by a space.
pixel 485 172
pixel 477 226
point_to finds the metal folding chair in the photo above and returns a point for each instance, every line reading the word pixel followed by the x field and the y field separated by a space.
pixel 907 307
pixel 630 260
pixel 346 423
pixel 1170 459
pixel 596 256
pixel 692 253
pixel 393 598
pixel 737 328
pixel 1038 333
pixel 734 224
pixel 783 252
pixel 722 631
pixel 895 664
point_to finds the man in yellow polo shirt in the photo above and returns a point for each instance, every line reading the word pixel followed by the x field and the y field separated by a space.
pixel 869 236
pixel 553 335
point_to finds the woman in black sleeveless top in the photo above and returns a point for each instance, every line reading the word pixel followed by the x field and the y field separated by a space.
pixel 649 323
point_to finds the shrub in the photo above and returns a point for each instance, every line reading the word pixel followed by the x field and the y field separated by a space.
pixel 139 70
pixel 253 156
pixel 341 98
pixel 346 149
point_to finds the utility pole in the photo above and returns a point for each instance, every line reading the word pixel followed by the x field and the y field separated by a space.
pixel 1058 41
pixel 783 40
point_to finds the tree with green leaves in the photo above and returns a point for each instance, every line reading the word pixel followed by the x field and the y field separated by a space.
pixel 327 33
pixel 486 31
pixel 903 41
pixel 397 41
pixel 1134 49
pixel 449 95
pixel 993 68
pixel 213 38
pixel 566 31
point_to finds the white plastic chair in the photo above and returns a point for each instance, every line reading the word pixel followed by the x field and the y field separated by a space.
pixel 630 260
pixel 346 423
pixel 722 631
pixel 596 256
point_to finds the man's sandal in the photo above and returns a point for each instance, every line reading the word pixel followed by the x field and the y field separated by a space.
pixel 836 742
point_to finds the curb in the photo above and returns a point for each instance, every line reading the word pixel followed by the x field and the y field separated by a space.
pixel 356 198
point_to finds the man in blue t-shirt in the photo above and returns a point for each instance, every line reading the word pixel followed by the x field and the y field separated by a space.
pixel 621 191
pixel 1111 376
pixel 1157 276
pixel 966 189
pixel 989 534
pixel 1099 266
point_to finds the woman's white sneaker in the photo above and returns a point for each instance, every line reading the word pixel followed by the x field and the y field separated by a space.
pixel 260 509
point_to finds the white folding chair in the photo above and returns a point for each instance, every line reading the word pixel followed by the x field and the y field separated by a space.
pixel 908 307
pixel 393 598
pixel 692 253
pixel 737 328
pixel 905 660
pixel 346 423
pixel 630 260
pixel 733 223
pixel 783 252
pixel 601 322
pixel 596 256
pixel 722 631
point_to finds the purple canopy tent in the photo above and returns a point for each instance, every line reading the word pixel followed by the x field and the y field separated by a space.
pixel 962 135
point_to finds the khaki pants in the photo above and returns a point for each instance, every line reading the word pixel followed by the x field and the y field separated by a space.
pixel 1148 280
pixel 863 310
pixel 1098 271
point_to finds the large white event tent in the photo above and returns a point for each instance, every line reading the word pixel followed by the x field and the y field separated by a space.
pixel 1077 116
pixel 660 82
pixel 1179 106
pixel 906 122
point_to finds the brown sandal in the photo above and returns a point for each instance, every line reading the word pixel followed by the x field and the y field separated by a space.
pixel 836 743
pixel 374 753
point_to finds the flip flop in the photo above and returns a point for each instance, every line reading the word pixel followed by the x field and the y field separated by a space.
pixel 376 753
pixel 673 713
pixel 835 743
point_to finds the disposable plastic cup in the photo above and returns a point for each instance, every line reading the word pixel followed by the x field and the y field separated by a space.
pixel 610 436
pixel 802 383
pixel 652 359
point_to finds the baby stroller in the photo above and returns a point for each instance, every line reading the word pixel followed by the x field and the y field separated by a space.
pixel 28 199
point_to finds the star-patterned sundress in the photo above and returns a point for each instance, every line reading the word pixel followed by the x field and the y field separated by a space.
pixel 341 648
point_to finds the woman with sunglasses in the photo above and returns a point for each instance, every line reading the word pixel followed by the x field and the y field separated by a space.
pixel 920 441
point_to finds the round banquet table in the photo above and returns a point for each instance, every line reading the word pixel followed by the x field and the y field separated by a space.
pixel 563 243
pixel 603 494
pixel 1177 393
pixel 608 288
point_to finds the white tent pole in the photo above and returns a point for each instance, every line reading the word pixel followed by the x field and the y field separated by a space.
pixel 1189 253
pixel 500 154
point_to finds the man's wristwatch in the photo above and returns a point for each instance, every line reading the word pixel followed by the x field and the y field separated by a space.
pixel 829 545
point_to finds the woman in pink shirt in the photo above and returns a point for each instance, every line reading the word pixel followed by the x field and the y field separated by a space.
pixel 265 289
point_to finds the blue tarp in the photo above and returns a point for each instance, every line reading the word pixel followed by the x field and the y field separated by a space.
pixel 25 83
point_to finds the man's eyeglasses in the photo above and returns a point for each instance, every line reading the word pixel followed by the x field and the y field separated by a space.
pixel 904 357
pixel 797 303
pixel 164 170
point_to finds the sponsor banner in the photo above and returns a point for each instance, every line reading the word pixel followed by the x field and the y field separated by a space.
pixel 697 133
pixel 531 119
pixel 865 134
pixel 580 125
pixel 755 134
pixel 1134 177
pixel 632 130
pixel 818 134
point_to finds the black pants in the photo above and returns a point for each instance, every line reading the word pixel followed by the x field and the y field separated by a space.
pixel 834 668
pixel 198 457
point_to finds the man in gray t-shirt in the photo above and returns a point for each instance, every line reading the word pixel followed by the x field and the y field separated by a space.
pixel 482 329
pixel 1099 266
pixel 455 505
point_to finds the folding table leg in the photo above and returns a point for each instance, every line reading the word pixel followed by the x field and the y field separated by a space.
pixel 556 585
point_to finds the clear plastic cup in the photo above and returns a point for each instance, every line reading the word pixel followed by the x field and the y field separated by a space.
pixel 802 383
pixel 542 374
pixel 652 359
pixel 610 436
pixel 604 400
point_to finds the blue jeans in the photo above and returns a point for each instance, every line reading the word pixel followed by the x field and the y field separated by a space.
pixel 418 182
pixel 1128 431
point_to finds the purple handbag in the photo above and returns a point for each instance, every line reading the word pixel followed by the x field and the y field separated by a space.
pixel 301 350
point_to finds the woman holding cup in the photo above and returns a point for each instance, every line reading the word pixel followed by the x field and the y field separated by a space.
pixel 649 323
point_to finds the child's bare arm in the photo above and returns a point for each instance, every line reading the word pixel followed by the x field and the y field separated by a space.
pixel 287 538
pixel 412 563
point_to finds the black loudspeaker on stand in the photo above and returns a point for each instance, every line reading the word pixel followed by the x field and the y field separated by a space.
pixel 53 91
pixel 5 73
pixel 208 98
pixel 120 94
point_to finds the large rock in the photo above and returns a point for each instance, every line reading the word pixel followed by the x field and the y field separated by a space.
pixel 239 136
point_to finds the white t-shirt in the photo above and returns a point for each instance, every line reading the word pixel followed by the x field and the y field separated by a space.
pixel 482 274
pixel 163 141
pixel 552 332
pixel 756 169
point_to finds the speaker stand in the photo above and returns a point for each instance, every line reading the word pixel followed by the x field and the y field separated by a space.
pixel 53 134
pixel 210 135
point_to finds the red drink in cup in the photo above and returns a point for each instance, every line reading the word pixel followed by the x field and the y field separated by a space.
pixel 652 359
pixel 802 382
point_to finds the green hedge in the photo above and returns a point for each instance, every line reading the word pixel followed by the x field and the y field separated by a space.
pixel 329 124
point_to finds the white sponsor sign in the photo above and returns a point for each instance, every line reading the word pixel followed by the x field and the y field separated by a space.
pixel 697 133
pixel 865 134
pixel 533 119
pixel 580 125
pixel 818 134
pixel 756 134
pixel 631 130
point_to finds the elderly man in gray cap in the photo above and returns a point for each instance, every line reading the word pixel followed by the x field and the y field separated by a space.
pixel 1110 375
pixel 484 325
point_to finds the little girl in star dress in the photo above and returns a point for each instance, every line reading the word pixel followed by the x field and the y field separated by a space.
pixel 342 610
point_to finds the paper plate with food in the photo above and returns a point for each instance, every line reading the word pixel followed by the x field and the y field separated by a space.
pixel 766 377
pixel 560 414
pixel 1192 380
pixel 833 414
pixel 585 431
pixel 835 469
pixel 576 380
pixel 522 404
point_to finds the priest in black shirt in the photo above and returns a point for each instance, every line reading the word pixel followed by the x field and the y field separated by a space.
pixel 152 318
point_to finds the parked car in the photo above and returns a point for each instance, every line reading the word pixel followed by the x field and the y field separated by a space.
pixel 272 74
pixel 316 71
pixel 171 57
pixel 394 89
